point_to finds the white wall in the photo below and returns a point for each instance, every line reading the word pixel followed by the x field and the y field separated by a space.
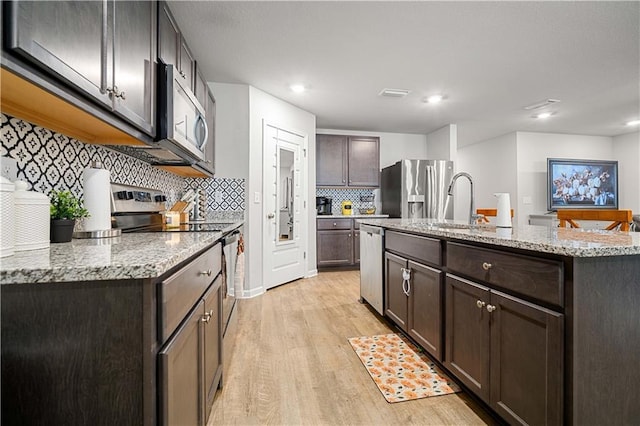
pixel 442 144
pixel 393 146
pixel 626 149
pixel 263 106
pixel 232 130
pixel 240 111
pixel 492 165
pixel 533 150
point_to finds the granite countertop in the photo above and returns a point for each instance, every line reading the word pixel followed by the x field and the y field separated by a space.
pixel 129 256
pixel 562 241
pixel 351 216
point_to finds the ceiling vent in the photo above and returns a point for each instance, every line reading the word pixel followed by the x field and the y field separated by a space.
pixel 542 104
pixel 394 93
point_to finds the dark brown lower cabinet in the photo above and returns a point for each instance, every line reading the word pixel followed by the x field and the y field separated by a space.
pixel 180 369
pixel 191 363
pixel 212 336
pixel 414 304
pixel 508 351
pixel 338 242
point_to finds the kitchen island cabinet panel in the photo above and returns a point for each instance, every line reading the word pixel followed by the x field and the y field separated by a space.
pixel 467 334
pixel 425 308
pixel 538 278
pixel 396 306
pixel 526 361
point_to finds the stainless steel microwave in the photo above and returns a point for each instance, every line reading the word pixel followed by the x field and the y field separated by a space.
pixel 182 126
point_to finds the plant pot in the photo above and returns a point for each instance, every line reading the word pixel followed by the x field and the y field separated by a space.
pixel 61 230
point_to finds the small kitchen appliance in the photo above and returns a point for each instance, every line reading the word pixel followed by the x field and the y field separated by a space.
pixel 32 218
pixel 347 207
pixel 323 205
pixel 503 218
pixel 7 217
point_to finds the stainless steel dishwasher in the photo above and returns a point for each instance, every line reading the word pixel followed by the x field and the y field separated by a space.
pixel 371 266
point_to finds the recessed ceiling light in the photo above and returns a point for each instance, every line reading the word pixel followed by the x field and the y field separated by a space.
pixel 394 93
pixel 633 123
pixel 542 104
pixel 298 88
pixel 543 115
pixel 434 99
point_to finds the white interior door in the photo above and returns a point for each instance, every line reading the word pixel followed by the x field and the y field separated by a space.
pixel 284 207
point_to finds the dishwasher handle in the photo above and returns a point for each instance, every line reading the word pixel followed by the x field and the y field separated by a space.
pixel 372 230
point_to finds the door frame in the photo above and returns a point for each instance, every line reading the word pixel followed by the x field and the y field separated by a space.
pixel 304 209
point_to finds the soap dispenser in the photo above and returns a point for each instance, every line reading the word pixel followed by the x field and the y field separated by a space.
pixel 503 218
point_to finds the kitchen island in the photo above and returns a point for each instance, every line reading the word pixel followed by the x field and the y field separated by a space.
pixel 542 324
pixel 123 330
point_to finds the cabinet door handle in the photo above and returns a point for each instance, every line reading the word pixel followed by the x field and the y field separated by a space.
pixel 480 304
pixel 406 277
pixel 271 216
pixel 207 272
pixel 491 308
pixel 206 318
pixel 120 95
pixel 486 266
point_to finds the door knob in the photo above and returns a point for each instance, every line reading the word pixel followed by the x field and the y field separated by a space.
pixel 271 216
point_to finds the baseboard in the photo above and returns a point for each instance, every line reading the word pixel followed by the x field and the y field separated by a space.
pixel 311 273
pixel 248 294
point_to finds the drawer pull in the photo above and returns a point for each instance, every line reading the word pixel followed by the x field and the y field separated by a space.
pixel 491 308
pixel 207 272
pixel 335 224
pixel 486 266
pixel 480 304
pixel 206 318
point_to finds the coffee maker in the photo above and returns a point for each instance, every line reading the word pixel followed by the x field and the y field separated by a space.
pixel 323 205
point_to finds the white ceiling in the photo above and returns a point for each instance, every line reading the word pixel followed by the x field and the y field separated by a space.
pixel 490 59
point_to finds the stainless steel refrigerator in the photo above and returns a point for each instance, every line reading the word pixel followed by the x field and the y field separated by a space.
pixel 417 189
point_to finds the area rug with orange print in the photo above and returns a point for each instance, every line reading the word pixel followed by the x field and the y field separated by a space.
pixel 399 371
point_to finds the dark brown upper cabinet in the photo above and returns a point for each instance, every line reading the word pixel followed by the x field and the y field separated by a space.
pixel 105 50
pixel 172 47
pixel 347 161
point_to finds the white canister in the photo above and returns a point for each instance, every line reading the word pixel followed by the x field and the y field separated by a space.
pixel 503 217
pixel 32 218
pixel 7 223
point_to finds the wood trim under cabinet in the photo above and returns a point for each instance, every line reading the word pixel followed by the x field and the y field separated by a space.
pixel 25 100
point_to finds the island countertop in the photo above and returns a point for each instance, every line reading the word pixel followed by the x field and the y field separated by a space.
pixel 561 241
pixel 128 256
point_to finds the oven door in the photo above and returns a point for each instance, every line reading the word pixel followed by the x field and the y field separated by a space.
pixel 182 125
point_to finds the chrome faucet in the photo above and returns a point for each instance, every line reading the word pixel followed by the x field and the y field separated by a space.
pixel 472 215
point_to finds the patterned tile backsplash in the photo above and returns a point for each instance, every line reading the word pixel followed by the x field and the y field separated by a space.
pixel 338 195
pixel 48 160
pixel 222 194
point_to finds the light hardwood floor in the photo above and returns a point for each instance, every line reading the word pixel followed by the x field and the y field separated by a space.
pixel 293 365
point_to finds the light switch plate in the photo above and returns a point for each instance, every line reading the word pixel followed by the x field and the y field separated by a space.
pixel 9 168
pixel 217 196
pixel 527 200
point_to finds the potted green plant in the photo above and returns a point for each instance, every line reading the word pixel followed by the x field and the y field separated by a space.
pixel 65 209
